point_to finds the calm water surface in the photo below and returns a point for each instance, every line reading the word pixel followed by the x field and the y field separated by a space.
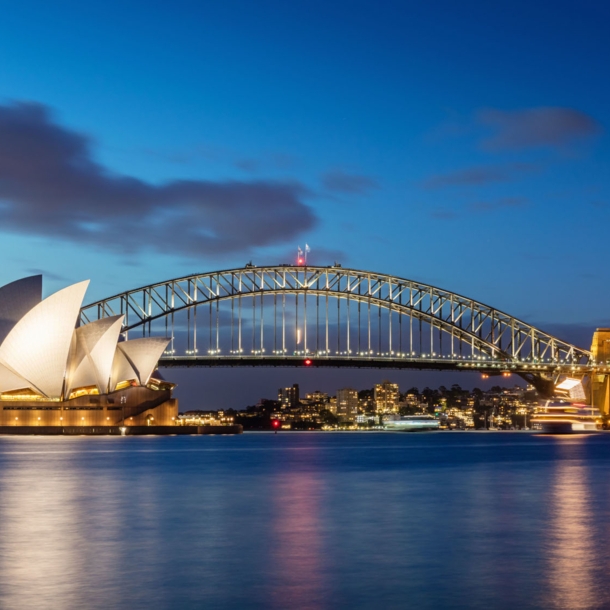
pixel 356 520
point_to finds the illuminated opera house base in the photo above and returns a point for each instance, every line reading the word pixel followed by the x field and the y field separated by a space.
pixel 132 406
pixel 57 373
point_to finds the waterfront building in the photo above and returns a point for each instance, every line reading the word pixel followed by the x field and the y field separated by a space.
pixel 332 405
pixel 386 397
pixel 368 419
pixel 205 418
pixel 366 401
pixel 289 397
pixel 56 373
pixel 347 404
pixel 317 398
pixel 412 400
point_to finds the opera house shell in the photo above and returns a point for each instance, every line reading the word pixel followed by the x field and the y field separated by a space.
pixel 54 372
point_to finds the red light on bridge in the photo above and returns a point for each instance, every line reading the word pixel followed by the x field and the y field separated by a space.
pixel 307 362
pixel 276 423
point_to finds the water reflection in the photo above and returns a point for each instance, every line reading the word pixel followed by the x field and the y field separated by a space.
pixel 297 554
pixel 572 555
pixel 49 522
pixel 305 521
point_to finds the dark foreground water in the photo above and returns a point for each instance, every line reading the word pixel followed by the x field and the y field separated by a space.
pixel 362 520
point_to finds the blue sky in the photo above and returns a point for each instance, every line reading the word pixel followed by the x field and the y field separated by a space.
pixel 461 144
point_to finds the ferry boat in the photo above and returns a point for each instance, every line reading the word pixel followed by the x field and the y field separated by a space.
pixel 410 423
pixel 562 417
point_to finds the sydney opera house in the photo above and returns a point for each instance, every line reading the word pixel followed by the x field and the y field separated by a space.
pixel 54 372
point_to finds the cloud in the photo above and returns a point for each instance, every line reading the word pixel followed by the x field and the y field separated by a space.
pixel 188 156
pixel 273 161
pixel 443 214
pixel 247 165
pixel 224 156
pixel 479 175
pixel 352 184
pixel 504 202
pixel 536 127
pixel 51 185
pixel 480 207
pixel 49 275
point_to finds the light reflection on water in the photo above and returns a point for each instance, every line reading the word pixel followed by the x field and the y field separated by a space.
pixel 316 521
pixel 296 529
pixel 572 557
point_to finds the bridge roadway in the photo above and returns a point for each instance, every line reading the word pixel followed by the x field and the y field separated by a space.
pixel 491 368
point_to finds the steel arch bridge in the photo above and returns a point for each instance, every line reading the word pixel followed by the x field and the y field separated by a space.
pixel 289 315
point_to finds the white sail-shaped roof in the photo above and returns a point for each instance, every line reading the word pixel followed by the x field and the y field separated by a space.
pixel 93 353
pixel 38 346
pixel 16 299
pixel 137 359
pixel 121 370
pixel 9 380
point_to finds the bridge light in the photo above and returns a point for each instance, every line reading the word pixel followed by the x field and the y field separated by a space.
pixel 307 362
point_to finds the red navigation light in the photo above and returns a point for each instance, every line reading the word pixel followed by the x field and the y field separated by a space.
pixel 300 261
pixel 276 423
pixel 308 362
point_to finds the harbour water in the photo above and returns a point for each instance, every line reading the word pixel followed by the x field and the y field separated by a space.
pixel 306 520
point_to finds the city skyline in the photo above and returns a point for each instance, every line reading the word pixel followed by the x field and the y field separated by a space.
pixel 427 142
pixel 384 406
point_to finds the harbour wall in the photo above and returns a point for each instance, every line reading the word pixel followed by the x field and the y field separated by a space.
pixel 117 430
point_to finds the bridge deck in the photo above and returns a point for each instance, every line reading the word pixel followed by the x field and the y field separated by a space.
pixel 445 364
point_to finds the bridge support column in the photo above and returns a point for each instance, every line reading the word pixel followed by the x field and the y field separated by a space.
pixel 600 394
pixel 600 384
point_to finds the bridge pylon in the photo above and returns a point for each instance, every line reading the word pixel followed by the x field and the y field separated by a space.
pixel 600 382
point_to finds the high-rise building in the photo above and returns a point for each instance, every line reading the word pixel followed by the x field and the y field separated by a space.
pixel 347 404
pixel 289 397
pixel 332 405
pixel 386 397
pixel 317 398
pixel 366 401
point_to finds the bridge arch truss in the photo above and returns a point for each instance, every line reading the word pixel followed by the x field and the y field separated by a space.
pixel 331 314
